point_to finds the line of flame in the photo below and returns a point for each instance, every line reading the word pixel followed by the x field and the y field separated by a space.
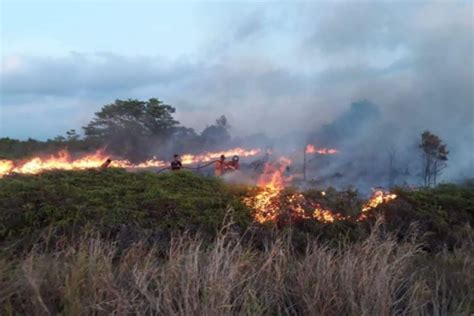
pixel 311 149
pixel 63 161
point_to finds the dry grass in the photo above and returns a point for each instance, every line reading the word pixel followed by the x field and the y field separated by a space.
pixel 373 277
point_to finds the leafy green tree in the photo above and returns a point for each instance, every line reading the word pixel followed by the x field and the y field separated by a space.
pixel 434 155
pixel 132 127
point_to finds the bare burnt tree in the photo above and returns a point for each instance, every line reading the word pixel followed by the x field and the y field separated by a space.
pixel 434 155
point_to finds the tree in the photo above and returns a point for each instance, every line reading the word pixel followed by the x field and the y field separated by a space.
pixel 434 157
pixel 222 122
pixel 59 139
pixel 72 136
pixel 132 127
pixel 217 133
pixel 185 139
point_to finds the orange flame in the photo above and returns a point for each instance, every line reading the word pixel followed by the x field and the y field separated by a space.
pixel 378 197
pixel 63 161
pixel 209 156
pixel 5 167
pixel 269 202
pixel 318 212
pixel 266 203
pixel 60 161
pixel 311 149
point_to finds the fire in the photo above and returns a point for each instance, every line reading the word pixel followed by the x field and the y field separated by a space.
pixel 151 163
pixel 316 211
pixel 378 197
pixel 274 175
pixel 270 201
pixel 64 161
pixel 5 167
pixel 326 216
pixel 210 156
pixel 311 149
pixel 60 161
pixel 266 203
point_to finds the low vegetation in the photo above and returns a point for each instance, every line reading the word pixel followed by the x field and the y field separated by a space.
pixel 108 200
pixel 102 242
pixel 377 276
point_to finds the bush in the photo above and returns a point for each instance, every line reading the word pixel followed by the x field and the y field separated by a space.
pixel 134 205
pixel 442 215
pixel 72 202
pixel 102 242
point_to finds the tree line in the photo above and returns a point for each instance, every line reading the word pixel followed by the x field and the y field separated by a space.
pixel 132 129
pixel 135 130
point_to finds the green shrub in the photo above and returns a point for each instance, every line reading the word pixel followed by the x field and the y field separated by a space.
pixel 443 215
pixel 113 201
pixel 81 199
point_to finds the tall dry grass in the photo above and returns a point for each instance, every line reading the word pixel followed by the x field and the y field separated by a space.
pixel 375 277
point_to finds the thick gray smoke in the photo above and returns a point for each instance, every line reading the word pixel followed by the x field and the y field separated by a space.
pixel 290 74
pixel 428 86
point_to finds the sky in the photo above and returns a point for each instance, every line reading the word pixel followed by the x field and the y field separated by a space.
pixel 272 67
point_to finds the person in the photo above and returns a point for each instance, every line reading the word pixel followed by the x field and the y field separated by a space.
pixel 176 163
pixel 233 165
pixel 220 166
pixel 106 163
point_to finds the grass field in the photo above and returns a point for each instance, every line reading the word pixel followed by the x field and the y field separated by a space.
pixel 90 242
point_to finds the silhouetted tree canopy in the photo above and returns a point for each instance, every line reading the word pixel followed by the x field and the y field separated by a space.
pixel 130 127
pixel 145 118
pixel 217 133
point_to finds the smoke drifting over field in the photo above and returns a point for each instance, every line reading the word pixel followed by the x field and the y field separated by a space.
pixel 291 72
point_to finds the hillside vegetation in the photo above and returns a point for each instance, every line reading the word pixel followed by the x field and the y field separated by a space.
pixel 79 201
pixel 101 242
pixel 74 202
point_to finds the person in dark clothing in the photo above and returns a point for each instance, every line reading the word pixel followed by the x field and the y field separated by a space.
pixel 176 163
pixel 106 163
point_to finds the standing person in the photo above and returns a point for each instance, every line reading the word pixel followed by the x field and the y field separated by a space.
pixel 176 163
pixel 233 165
pixel 220 166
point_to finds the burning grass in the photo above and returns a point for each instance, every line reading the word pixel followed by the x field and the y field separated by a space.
pixel 63 160
pixel 271 201
pixel 311 149
pixel 73 202
pixel 102 242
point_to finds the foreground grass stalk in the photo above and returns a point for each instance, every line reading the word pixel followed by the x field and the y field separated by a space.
pixel 373 277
